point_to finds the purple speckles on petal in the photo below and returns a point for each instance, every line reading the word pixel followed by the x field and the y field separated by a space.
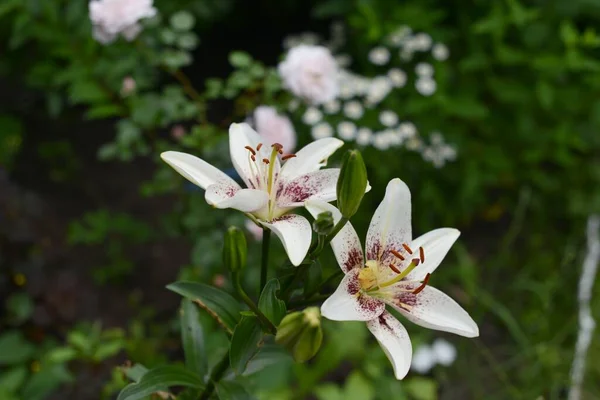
pixel 370 304
pixel 315 185
pixel 354 259
pixel 373 250
pixel 406 300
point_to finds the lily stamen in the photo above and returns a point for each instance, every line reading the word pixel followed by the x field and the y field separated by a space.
pixel 394 268
pixel 266 160
pixel 287 157
pixel 258 147
pixel 422 286
pixel 421 254
pixel 397 255
pixel 250 149
pixel 408 249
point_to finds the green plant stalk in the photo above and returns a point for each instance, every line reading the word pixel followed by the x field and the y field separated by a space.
pixel 216 375
pixel 261 317
pixel 265 259
pixel 336 229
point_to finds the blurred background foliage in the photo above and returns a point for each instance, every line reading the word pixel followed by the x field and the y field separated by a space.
pixel 93 226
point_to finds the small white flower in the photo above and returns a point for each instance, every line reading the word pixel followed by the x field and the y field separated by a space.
pixel 414 143
pixel 293 105
pixel 421 42
pixel 332 107
pixel 398 37
pixel 346 130
pixel 445 352
pixel 310 72
pixel 272 189
pixel 379 88
pixel 379 55
pixel 426 86
pixel 424 70
pixel 274 128
pixel 397 77
pixel 128 86
pixel 353 109
pixel 424 359
pixel 440 52
pixel 343 60
pixel 111 18
pixel 388 118
pixel 363 136
pixel 312 115
pixel 321 131
pixel 407 130
pixel 393 270
pixel 436 138
pixel 381 141
pixel 406 54
pixel 448 152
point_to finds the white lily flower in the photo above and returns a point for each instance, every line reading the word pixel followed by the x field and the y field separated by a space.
pixel 272 189
pixel 395 272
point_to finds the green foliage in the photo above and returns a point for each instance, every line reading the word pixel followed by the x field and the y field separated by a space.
pixel 244 343
pixel 158 379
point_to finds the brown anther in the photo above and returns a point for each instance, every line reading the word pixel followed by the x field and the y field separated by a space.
pixel 287 157
pixel 416 261
pixel 422 286
pixel 422 254
pixel 407 248
pixel 258 147
pixel 394 268
pixel 280 151
pixel 266 160
pixel 250 149
pixel 277 146
pixel 253 157
pixel 397 255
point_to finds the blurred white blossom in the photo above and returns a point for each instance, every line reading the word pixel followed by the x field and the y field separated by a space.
pixel 332 107
pixel 421 42
pixel 363 136
pixel 440 52
pixel 321 130
pixel 423 359
pixel 111 18
pixel 353 109
pixel 397 77
pixel 310 72
pixel 379 55
pixel 398 37
pixel 346 130
pixel 275 128
pixel 343 60
pixel 426 86
pixel 424 70
pixel 407 130
pixel 445 352
pixel 388 118
pixel 128 86
pixel 381 141
pixel 312 115
pixel 379 88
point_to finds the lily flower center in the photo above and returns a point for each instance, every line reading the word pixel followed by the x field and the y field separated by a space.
pixel 375 277
pixel 264 171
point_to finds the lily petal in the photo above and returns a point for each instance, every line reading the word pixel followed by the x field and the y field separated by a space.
pixel 295 233
pixel 320 185
pixel 394 340
pixel 195 170
pixel 390 226
pixel 310 158
pixel 240 136
pixel 228 196
pixel 345 304
pixel 434 309
pixel 436 245
pixel 346 244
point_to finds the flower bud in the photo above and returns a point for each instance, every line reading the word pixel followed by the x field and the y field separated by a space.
pixel 301 333
pixel 351 184
pixel 324 223
pixel 234 249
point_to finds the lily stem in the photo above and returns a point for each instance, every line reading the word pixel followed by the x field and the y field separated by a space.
pixel 261 317
pixel 336 229
pixel 215 376
pixel 265 259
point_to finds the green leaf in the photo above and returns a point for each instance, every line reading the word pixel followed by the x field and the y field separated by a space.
pixel 12 379
pixel 44 382
pixel 244 343
pixel 160 378
pixel 219 304
pixel 267 356
pixel 273 308
pixel 14 348
pixel 61 355
pixel 314 278
pixel 136 372
pixel 103 111
pixel 421 388
pixel 192 338
pixel 240 59
pixel 358 388
pixel 231 390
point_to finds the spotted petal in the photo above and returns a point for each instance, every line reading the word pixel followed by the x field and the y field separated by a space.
pixel 346 304
pixel 195 170
pixel 319 185
pixel 295 233
pixel 435 245
pixel 390 226
pixel 434 309
pixel 229 196
pixel 394 340
pixel 346 244
pixel 310 158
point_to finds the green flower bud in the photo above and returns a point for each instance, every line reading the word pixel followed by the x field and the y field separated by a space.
pixel 234 249
pixel 351 184
pixel 324 223
pixel 301 333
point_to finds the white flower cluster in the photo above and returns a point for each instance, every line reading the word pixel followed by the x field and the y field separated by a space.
pixel 438 152
pixel 426 357
pixel 111 18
